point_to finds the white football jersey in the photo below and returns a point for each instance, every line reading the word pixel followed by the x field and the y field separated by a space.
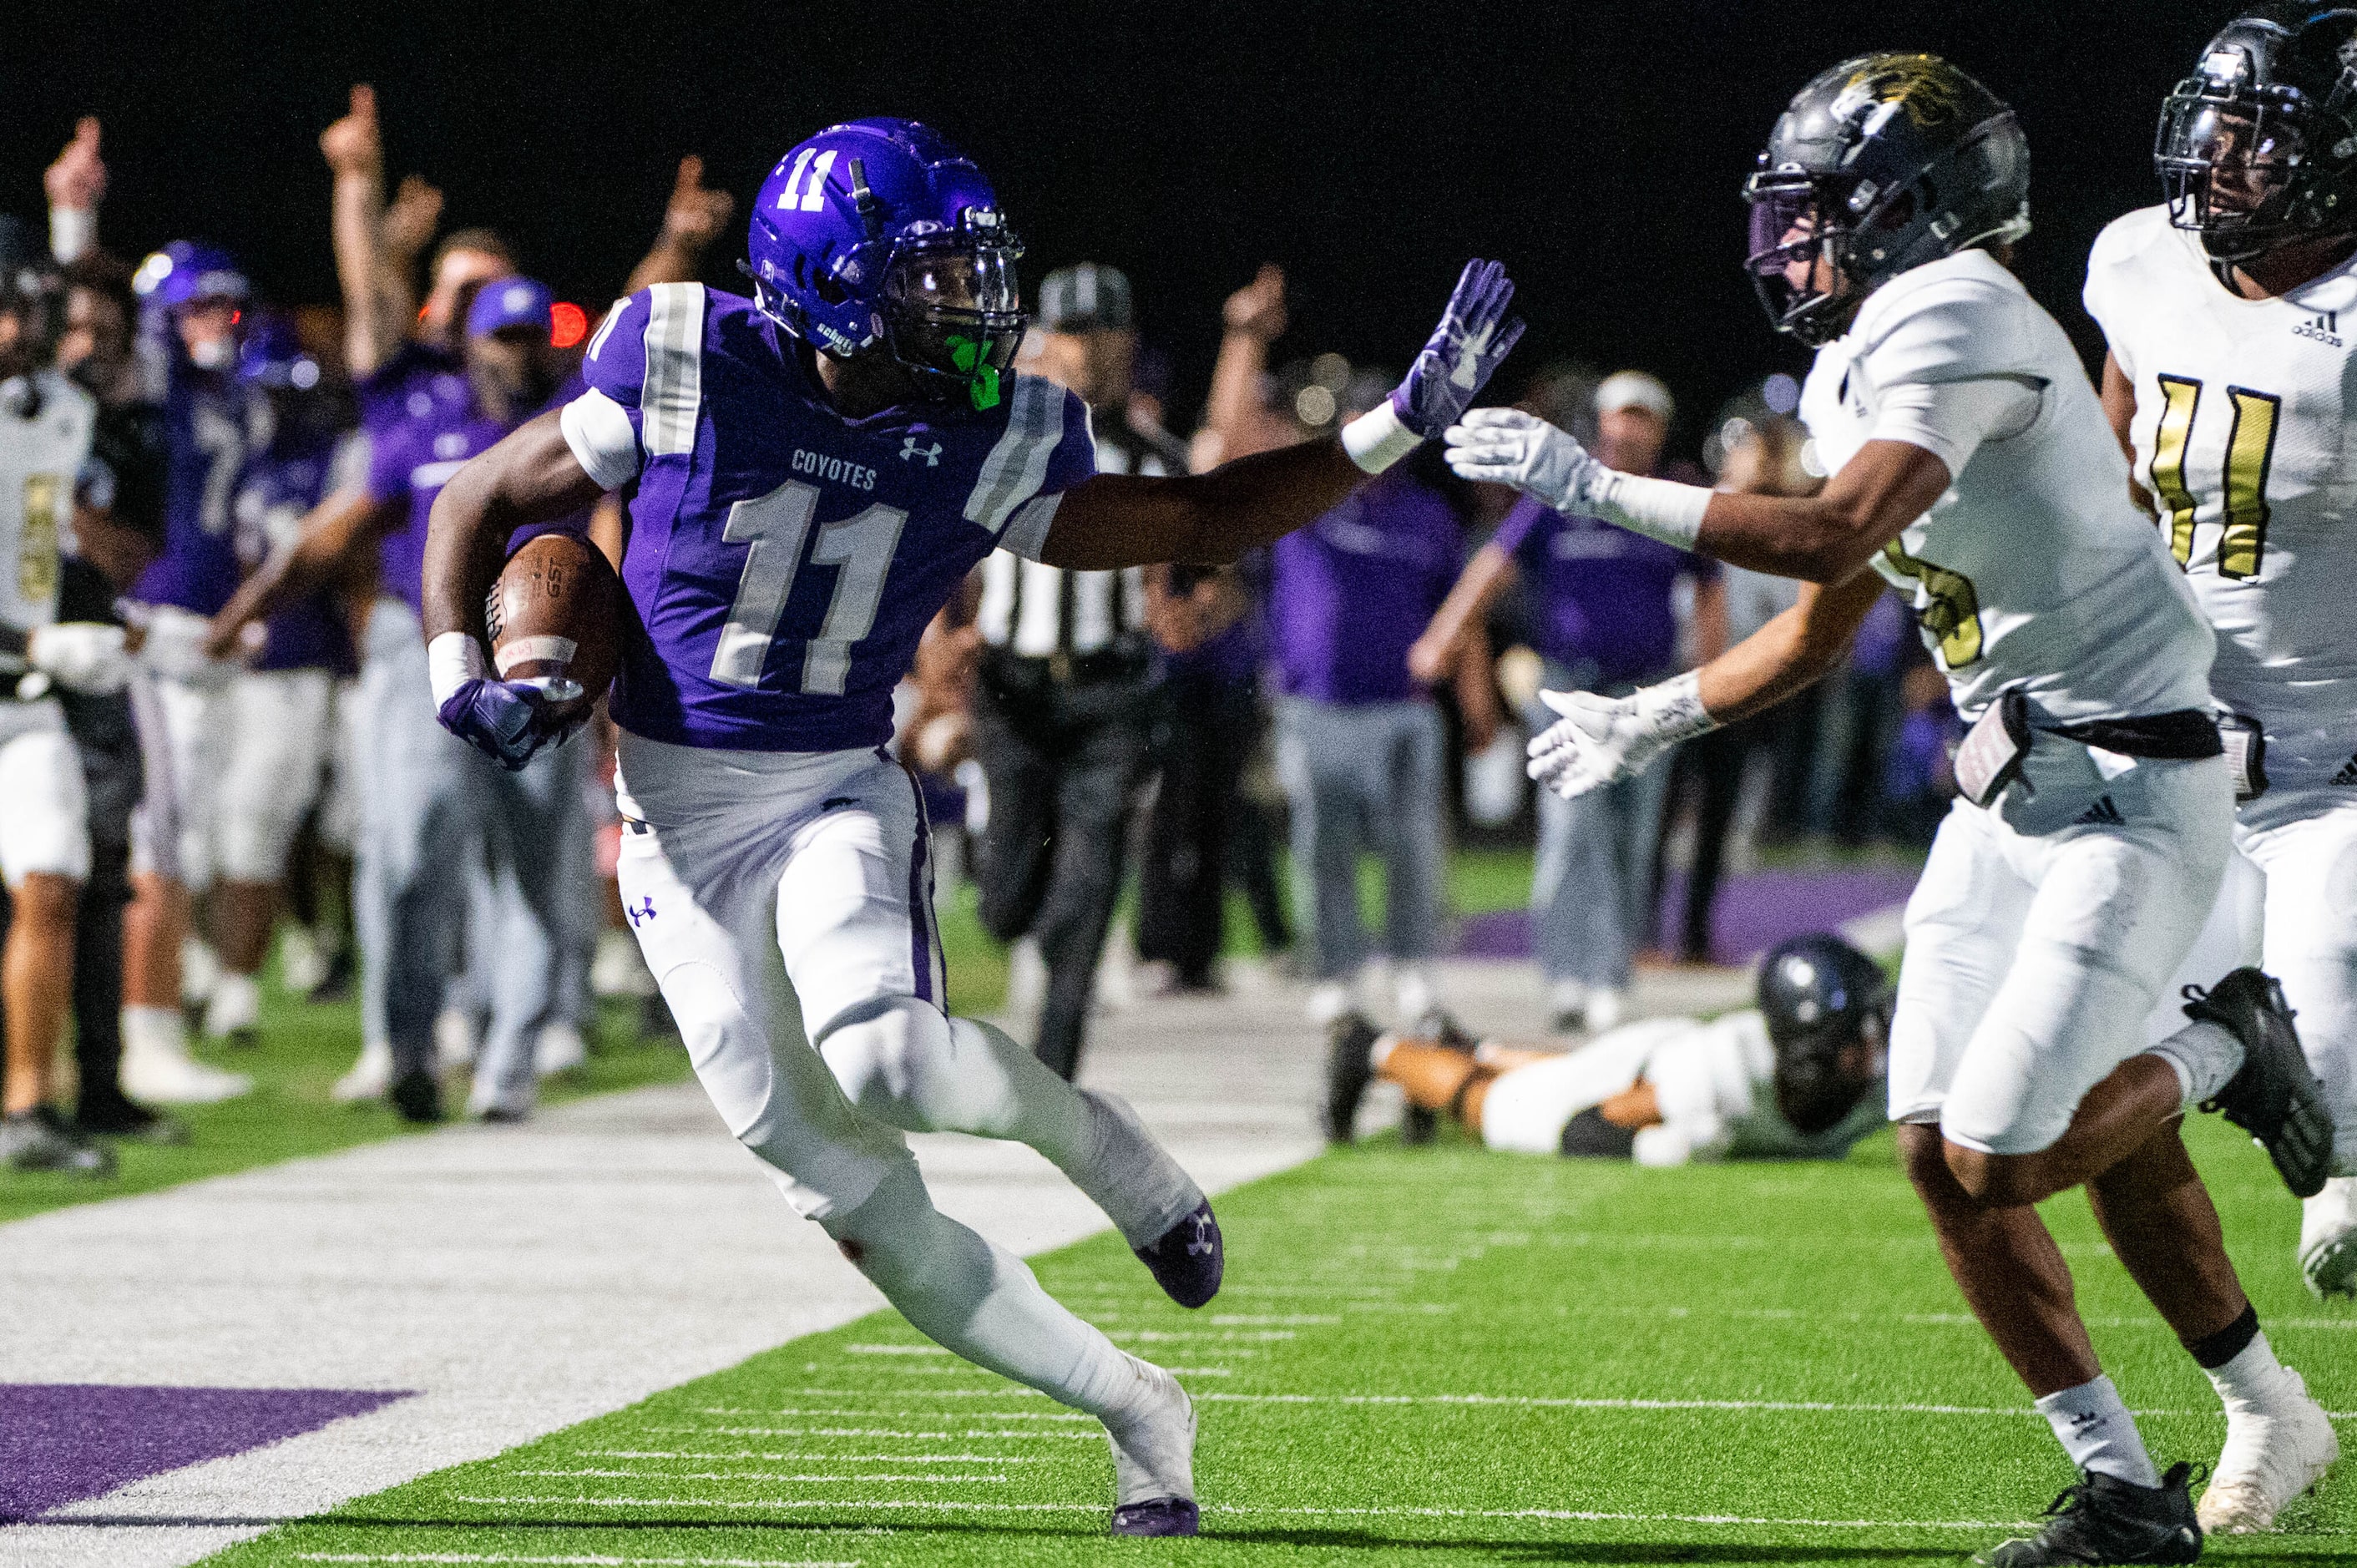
pixel 2035 570
pixel 2243 438
pixel 41 459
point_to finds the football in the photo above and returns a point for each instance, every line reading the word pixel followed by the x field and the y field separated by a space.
pixel 556 619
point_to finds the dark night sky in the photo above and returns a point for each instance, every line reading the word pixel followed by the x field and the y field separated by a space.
pixel 1597 147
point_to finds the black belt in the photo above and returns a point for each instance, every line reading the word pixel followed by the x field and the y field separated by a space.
pixel 2188 734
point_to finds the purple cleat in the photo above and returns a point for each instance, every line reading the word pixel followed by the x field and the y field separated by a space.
pixel 1187 1263
pixel 1155 1516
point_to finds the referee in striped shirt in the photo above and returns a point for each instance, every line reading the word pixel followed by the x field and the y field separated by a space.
pixel 1065 703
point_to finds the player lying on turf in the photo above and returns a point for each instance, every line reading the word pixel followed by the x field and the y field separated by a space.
pixel 809 475
pixel 2227 383
pixel 1798 1078
pixel 1973 469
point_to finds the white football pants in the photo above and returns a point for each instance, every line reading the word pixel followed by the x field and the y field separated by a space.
pixel 783 897
pixel 2041 937
pixel 281 732
pixel 44 813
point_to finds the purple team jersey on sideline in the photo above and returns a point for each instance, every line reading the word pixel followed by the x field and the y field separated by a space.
pixel 1603 596
pixel 1352 591
pixel 209 421
pixel 281 486
pixel 412 457
pixel 783 559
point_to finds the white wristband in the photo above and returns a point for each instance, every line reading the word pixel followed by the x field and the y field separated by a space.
pixel 1674 709
pixel 73 231
pixel 1376 439
pixel 1659 508
pixel 452 660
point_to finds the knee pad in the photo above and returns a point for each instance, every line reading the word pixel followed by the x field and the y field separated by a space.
pixel 906 1063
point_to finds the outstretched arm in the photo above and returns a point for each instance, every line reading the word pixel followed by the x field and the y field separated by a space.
pixel 1602 740
pixel 1925 434
pixel 1113 520
pixel 692 217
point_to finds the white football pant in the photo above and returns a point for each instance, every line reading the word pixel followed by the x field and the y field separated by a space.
pixel 2041 935
pixel 44 815
pixel 280 733
pixel 781 897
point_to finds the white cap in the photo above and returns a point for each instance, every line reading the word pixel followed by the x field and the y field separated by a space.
pixel 1635 389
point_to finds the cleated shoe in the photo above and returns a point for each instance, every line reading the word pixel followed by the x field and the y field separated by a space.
pixel 2105 1519
pixel 1154 1458
pixel 1349 1040
pixel 1188 1259
pixel 2275 1097
pixel 2328 1238
pixel 41 1138
pixel 369 1076
pixel 416 1096
pixel 2271 1458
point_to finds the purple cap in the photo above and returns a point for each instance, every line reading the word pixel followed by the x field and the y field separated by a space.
pixel 508 302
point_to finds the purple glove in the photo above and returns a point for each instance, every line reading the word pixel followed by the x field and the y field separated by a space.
pixel 1473 335
pixel 506 721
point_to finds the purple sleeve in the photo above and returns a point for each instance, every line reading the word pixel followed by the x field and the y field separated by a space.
pixel 1075 457
pixel 1523 535
pixel 616 361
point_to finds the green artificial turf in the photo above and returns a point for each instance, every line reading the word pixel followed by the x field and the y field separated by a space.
pixel 1422 1356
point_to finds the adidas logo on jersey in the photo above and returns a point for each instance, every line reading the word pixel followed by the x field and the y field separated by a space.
pixel 2324 328
pixel 2103 814
pixel 2347 774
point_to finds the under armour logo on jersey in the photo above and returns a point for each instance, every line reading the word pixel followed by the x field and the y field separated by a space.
pixel 641 912
pixel 931 455
pixel 2103 814
pixel 2324 327
pixel 2347 774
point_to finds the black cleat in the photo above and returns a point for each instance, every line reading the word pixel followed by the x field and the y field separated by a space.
pixel 1190 1258
pixel 41 1138
pixel 336 985
pixel 416 1096
pixel 2275 1097
pixel 1349 1038
pixel 2107 1519
pixel 1157 1516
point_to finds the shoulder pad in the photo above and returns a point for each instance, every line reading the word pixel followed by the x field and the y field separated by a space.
pixel 1958 320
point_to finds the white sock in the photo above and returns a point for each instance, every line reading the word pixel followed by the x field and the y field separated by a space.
pixel 2253 1381
pixel 236 1004
pixel 154 1029
pixel 2095 1429
pixel 1415 996
pixel 1381 1051
pixel 981 1302
pixel 2205 1055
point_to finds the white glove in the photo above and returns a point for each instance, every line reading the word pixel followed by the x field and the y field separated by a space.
pixel 1602 740
pixel 1507 447
pixel 82 656
pixel 174 646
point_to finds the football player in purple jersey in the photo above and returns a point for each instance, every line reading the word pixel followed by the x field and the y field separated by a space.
pixel 193 303
pixel 809 475
pixel 279 708
pixel 427 793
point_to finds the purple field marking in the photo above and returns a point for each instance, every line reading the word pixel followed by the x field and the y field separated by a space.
pixel 60 1443
pixel 1754 912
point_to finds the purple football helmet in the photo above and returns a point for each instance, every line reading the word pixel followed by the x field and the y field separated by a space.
pixel 271 355
pixel 185 271
pixel 879 231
